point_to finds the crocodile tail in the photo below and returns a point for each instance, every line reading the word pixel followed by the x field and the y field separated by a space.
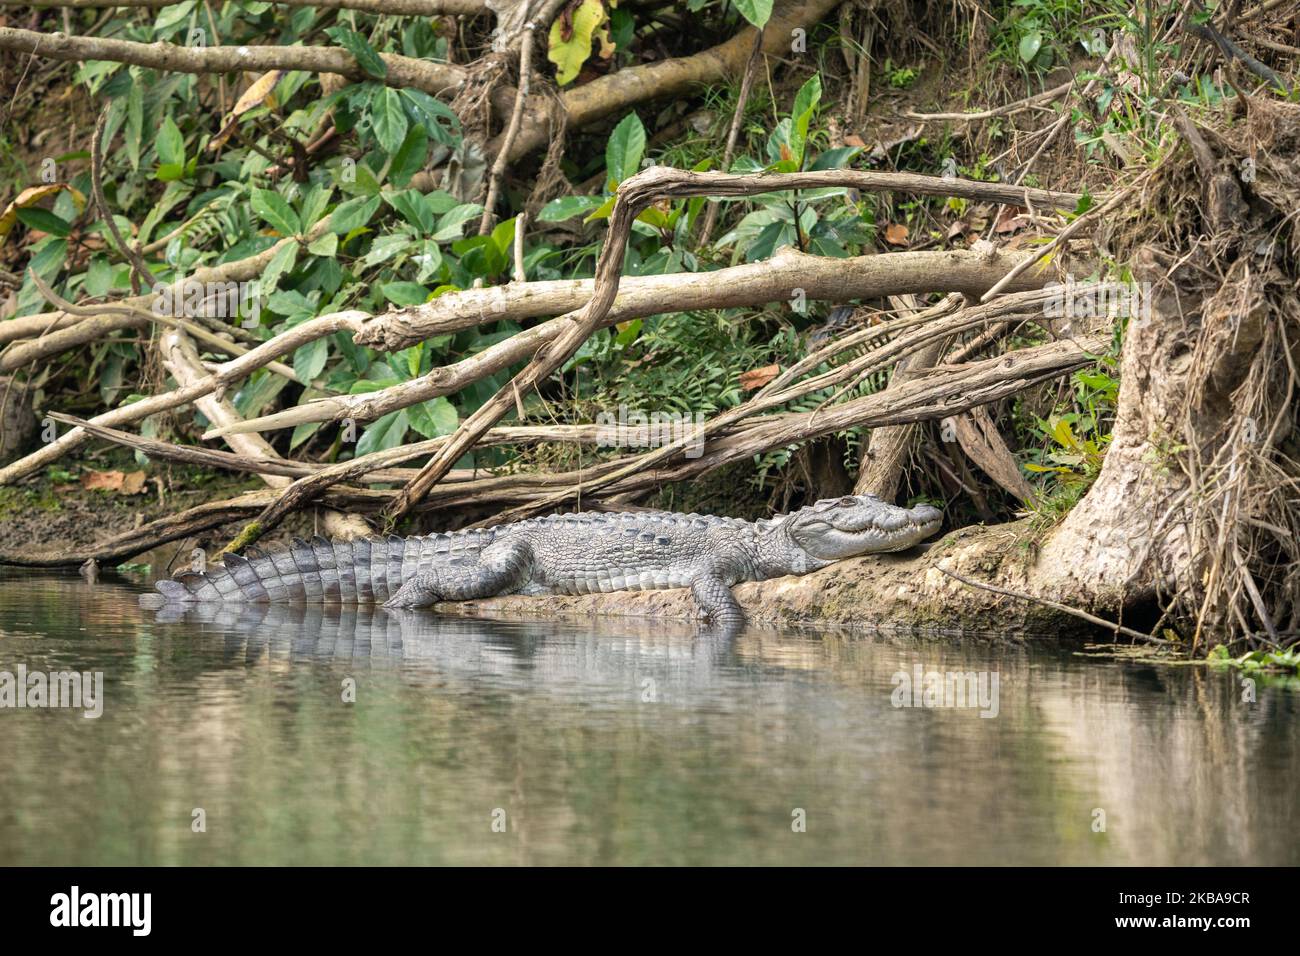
pixel 318 571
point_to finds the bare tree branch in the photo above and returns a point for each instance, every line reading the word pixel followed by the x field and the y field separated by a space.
pixel 403 71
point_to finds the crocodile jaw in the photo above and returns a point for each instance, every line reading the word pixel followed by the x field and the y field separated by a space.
pixel 841 528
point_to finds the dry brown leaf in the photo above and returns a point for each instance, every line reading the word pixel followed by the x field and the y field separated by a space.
pixel 758 377
pixel 30 197
pixel 256 94
pixel 896 234
pixel 127 483
pixel 853 139
pixel 1011 219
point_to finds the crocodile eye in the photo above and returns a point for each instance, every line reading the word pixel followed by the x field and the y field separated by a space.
pixel 845 503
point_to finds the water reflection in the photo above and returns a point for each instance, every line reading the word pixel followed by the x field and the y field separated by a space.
pixel 346 735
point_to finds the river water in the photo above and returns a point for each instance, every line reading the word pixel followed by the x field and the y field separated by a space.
pixel 332 736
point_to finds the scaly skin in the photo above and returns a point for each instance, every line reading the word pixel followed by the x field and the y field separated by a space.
pixel 567 554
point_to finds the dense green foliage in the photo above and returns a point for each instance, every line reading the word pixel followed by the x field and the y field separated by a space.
pixel 192 196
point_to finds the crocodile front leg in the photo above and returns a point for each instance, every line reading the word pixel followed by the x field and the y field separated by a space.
pixel 715 602
pixel 500 569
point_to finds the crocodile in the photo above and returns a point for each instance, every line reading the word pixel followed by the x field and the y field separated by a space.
pixel 564 554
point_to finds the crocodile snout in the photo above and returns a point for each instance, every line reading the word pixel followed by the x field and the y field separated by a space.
pixel 926 514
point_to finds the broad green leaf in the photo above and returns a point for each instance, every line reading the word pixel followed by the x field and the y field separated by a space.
pixel 566 207
pixel 414 208
pixel 409 158
pixel 47 256
pixel 441 201
pixel 805 105
pixel 603 211
pixel 503 236
pixel 387 432
pixel 302 432
pixel 434 418
pixel 434 116
pixel 281 264
pixel 276 212
pixel 404 293
pixel 384 248
pixel 324 245
pixel 1030 44
pixel 170 144
pixel 359 47
pixel 625 148
pixel 836 158
pixel 452 223
pixel 309 360
pixel 45 221
pixel 353 214
pixel 757 12
pixel 388 119
pixel 134 136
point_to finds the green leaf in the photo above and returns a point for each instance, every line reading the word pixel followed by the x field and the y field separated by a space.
pixel 47 256
pixel 404 293
pixel 836 158
pixel 302 432
pixel 603 211
pixel 359 47
pixel 170 144
pixel 309 360
pixel 805 105
pixel 414 208
pixel 45 221
pixel 353 214
pixel 1030 44
pixel 566 207
pixel 409 158
pixel 434 417
pixel 757 12
pixel 387 432
pixel 436 117
pixel 276 212
pixel 625 148
pixel 385 247
pixel 281 264
pixel 326 245
pixel 452 224
pixel 388 119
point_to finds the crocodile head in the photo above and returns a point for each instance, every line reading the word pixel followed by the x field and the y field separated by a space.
pixel 839 528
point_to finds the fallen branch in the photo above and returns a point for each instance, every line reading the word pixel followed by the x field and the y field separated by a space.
pixel 181 359
pixel 947 390
pixel 232 371
pixel 775 279
pixel 291 468
pixel 44 324
pixel 19 355
pixel 1016 107
pixel 541 21
pixel 1056 606
pixel 403 71
pixel 412 8
pixel 665 79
